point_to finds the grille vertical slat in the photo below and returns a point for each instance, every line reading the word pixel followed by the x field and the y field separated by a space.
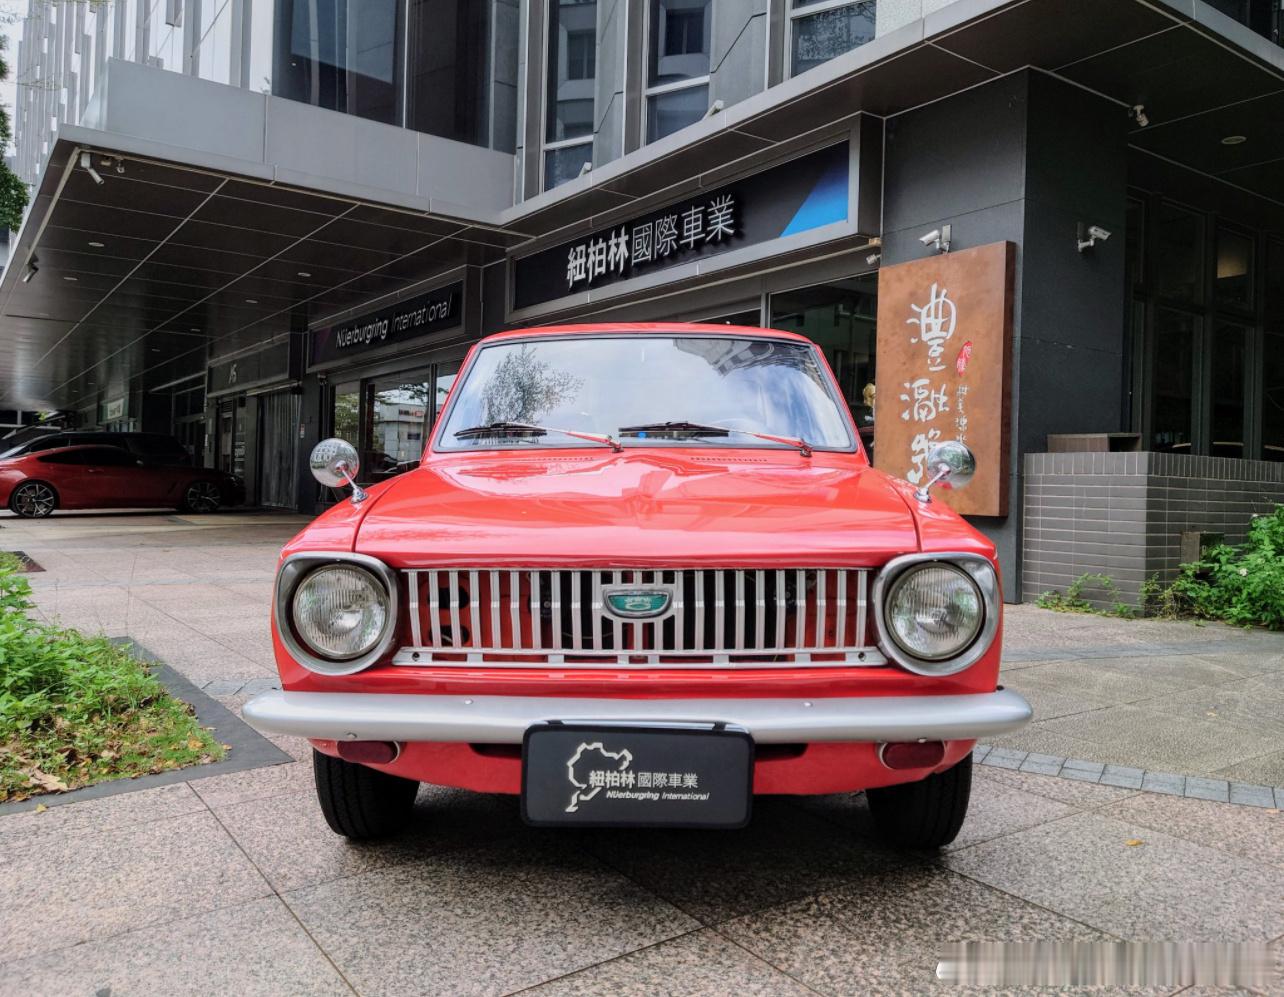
pixel 495 635
pixel 577 620
pixel 841 635
pixel 736 617
pixel 820 609
pixel 416 620
pixel 454 608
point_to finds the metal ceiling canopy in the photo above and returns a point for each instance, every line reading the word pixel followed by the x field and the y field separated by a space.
pixel 210 242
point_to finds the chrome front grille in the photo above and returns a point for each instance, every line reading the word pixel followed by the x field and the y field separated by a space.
pixel 725 617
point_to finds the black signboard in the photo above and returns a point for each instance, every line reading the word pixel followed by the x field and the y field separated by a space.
pixel 250 369
pixel 655 776
pixel 431 312
pixel 797 196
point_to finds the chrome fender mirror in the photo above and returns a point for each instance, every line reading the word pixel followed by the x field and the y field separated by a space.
pixel 335 463
pixel 951 463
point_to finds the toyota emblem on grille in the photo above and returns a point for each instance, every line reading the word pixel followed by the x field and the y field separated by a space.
pixel 638 603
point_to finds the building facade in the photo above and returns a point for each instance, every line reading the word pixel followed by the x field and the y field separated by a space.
pixel 256 224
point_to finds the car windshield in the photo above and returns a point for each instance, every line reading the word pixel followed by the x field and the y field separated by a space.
pixel 532 393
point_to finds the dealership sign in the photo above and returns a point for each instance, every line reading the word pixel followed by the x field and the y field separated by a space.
pixel 797 196
pixel 431 312
pixel 944 369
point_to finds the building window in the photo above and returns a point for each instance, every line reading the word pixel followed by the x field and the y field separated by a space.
pixel 820 30
pixel 572 69
pixel 677 65
pixel 443 67
pixel 840 318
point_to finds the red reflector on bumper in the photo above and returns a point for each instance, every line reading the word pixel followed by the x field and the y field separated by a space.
pixel 912 754
pixel 368 752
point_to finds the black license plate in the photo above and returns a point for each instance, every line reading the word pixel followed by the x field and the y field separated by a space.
pixel 600 775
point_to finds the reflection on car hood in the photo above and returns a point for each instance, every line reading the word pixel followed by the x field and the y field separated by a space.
pixel 639 507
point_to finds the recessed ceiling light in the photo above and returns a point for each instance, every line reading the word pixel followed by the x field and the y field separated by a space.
pixel 303 273
pixel 251 301
pixel 193 329
pixel 155 349
pixel 98 245
pixel 1234 140
pixel 71 278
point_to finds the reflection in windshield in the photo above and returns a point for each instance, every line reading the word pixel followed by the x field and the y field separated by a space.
pixel 600 384
pixel 522 386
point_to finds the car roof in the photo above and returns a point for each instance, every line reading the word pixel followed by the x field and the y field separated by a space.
pixel 642 328
pixel 77 446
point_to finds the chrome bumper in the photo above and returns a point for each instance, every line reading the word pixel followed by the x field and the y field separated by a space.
pixel 504 719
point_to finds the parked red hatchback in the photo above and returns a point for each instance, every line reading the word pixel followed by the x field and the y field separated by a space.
pixel 89 477
pixel 642 574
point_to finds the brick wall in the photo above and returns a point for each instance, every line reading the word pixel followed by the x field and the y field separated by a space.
pixel 1123 514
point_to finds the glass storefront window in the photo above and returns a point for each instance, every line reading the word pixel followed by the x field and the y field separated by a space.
pixel 1179 254
pixel 1173 377
pixel 399 411
pixel 572 71
pixel 841 318
pixel 678 64
pixel 1229 389
pixel 1273 395
pixel 821 30
pixel 1233 287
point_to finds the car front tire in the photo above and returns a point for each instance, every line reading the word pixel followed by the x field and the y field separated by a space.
pixel 361 803
pixel 33 500
pixel 926 814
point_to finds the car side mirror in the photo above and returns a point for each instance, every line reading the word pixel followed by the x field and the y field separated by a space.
pixel 952 464
pixel 335 463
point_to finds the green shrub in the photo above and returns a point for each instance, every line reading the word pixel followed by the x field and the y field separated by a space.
pixel 1072 600
pixel 76 710
pixel 1241 584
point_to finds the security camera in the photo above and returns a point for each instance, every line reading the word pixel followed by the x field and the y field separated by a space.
pixel 1090 235
pixel 938 239
pixel 88 164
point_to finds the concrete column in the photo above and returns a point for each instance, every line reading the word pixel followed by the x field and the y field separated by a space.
pixel 1025 159
pixel 612 45
pixel 738 59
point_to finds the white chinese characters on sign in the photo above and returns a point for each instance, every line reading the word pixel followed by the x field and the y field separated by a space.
pixel 935 321
pixel 628 247
pixel 927 399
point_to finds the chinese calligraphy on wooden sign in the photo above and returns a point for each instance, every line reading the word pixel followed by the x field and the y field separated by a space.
pixel 944 369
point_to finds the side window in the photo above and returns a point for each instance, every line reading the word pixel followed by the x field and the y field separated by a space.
pixel 67 457
pixel 111 457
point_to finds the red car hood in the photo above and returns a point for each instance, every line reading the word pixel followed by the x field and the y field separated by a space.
pixel 639 508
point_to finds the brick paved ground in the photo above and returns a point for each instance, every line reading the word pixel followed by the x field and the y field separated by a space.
pixel 233 884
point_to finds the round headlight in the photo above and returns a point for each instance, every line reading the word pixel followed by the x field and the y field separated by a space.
pixel 340 611
pixel 934 612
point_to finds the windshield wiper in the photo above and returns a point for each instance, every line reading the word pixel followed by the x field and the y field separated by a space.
pixel 699 429
pixel 528 429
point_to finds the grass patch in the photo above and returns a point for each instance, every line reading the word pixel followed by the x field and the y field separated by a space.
pixel 1072 599
pixel 77 710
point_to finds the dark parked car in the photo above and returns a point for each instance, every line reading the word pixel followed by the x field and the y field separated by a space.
pixel 153 448
pixel 94 477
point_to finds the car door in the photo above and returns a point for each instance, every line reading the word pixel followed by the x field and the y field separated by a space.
pixel 84 477
pixel 112 478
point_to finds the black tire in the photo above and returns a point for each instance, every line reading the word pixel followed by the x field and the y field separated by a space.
pixel 925 814
pixel 33 500
pixel 202 496
pixel 359 802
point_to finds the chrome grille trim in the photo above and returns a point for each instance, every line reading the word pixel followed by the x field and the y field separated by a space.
pixel 724 618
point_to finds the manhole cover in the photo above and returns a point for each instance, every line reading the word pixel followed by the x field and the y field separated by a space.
pixel 28 564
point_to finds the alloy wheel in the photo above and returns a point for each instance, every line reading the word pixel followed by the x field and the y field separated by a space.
pixel 34 500
pixel 204 496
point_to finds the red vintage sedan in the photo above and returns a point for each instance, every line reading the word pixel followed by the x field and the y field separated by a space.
pixel 642 574
pixel 90 477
